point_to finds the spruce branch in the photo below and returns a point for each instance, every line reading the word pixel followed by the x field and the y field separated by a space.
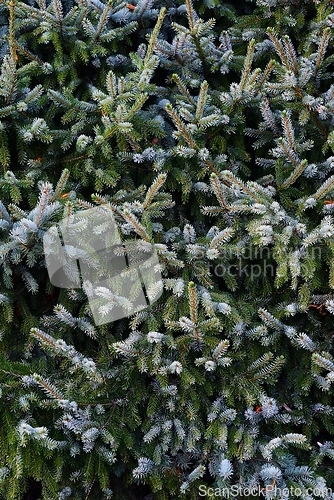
pixel 217 189
pixel 156 186
pixel 180 126
pixel 325 189
pixel 253 274
pixel 278 47
pixel 60 185
pixel 323 44
pixel 58 9
pixel 202 99
pixel 290 154
pixel 182 87
pixel 190 15
pixel 288 130
pixel 294 175
pixel 47 387
pixel 193 302
pixel 291 54
pixel 247 64
pixel 229 178
pixel 268 116
pixel 8 80
pixel 267 70
pixel 12 41
pixel 154 35
pixel 221 349
pixel 138 227
pixel 102 21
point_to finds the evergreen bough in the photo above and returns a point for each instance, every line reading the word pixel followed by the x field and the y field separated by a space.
pixel 206 129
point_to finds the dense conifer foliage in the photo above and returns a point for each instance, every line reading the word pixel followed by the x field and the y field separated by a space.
pixel 206 129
